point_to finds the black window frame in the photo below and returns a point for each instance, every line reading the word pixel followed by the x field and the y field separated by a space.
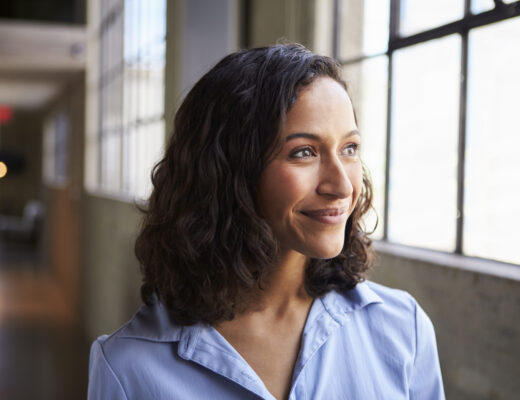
pixel 396 41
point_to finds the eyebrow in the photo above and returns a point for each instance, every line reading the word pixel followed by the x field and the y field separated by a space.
pixel 313 136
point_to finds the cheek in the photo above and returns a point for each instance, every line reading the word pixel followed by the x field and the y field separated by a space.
pixel 280 190
pixel 355 175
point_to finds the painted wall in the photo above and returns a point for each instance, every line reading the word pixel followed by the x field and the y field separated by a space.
pixel 194 43
pixel 63 202
pixel 476 321
pixel 281 20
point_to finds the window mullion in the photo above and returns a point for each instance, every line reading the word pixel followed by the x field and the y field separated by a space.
pixel 335 33
pixel 394 34
pixel 388 145
pixel 395 9
pixel 462 141
pixel 100 93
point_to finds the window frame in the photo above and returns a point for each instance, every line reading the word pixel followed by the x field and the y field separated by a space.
pixel 110 81
pixel 396 41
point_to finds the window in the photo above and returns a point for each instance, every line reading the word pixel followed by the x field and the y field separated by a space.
pixel 126 97
pixel 56 149
pixel 435 88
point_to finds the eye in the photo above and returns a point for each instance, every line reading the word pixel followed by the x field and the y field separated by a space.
pixel 304 152
pixel 351 150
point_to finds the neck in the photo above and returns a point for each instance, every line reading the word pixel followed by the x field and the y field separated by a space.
pixel 284 287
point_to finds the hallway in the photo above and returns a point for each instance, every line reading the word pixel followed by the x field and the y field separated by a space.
pixel 42 354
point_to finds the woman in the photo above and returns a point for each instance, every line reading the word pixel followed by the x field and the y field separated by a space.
pixel 253 256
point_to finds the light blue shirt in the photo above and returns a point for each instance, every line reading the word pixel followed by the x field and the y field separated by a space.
pixel 368 343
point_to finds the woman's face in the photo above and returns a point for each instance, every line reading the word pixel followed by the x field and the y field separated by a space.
pixel 309 189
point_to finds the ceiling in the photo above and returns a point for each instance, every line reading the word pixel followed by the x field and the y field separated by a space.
pixel 37 60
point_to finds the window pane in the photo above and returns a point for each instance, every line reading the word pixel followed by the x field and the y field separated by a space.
pixel 61 152
pixel 144 92
pixel 478 6
pixel 420 15
pixel 363 27
pixel 491 218
pixel 368 84
pixel 131 32
pixel 129 160
pixel 111 161
pixel 56 149
pixel 423 169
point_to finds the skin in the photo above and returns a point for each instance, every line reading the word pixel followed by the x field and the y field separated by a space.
pixel 306 194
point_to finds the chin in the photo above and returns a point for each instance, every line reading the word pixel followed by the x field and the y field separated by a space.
pixel 326 251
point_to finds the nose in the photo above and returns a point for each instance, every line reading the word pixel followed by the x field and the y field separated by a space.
pixel 334 180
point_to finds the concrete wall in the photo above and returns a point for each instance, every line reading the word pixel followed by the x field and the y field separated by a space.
pixel 110 275
pixel 475 315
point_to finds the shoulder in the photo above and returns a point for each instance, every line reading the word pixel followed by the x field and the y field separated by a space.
pixel 136 352
pixel 399 306
pixel 400 303
pixel 393 299
pixel 151 322
pixel 391 319
pixel 402 319
pixel 390 313
pixel 143 337
pixel 372 297
pixel 387 328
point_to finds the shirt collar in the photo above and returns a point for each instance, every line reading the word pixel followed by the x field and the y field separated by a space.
pixel 337 304
pixel 153 322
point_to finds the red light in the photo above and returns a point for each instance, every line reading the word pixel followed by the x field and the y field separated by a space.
pixel 6 113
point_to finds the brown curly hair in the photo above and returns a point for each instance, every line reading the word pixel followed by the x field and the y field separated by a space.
pixel 202 241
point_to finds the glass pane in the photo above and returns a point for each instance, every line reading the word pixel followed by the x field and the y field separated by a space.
pixel 368 84
pixel 492 196
pixel 420 15
pixel 129 161
pixel 156 90
pixel 158 21
pixel 111 161
pixel 150 140
pixel 363 27
pixel 154 142
pixel 131 32
pixel 478 6
pixel 423 165
pixel 61 151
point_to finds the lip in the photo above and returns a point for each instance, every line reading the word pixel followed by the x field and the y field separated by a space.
pixel 328 216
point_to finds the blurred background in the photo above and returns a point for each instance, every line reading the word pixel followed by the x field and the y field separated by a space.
pixel 88 90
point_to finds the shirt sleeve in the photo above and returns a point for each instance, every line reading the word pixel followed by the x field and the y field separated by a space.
pixel 103 383
pixel 426 378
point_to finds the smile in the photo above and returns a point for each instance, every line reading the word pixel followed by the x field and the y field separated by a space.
pixel 328 216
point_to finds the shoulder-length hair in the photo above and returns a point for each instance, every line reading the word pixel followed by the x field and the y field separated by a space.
pixel 203 242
